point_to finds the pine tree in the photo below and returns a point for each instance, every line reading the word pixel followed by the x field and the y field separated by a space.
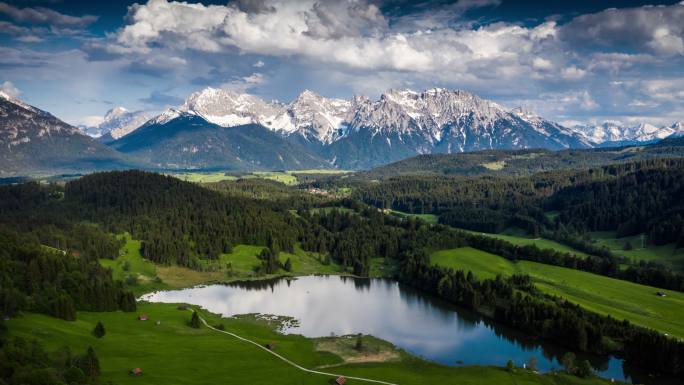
pixel 99 330
pixel 288 265
pixel 195 321
pixel 89 363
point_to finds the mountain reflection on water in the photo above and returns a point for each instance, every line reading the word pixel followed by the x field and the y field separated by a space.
pixel 420 324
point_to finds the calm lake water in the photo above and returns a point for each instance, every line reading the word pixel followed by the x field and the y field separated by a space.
pixel 422 325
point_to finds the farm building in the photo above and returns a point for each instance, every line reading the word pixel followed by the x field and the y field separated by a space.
pixel 142 317
pixel 135 372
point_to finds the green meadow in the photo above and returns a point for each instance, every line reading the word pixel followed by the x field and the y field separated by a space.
pixel 518 238
pixel 172 353
pixel 427 218
pixel 621 299
pixel 669 254
pixel 241 263
pixel 285 177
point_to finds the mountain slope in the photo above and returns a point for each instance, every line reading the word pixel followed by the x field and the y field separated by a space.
pixel 188 141
pixel 34 141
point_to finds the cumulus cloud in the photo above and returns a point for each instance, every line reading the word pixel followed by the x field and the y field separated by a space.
pixel 656 29
pixel 89 120
pixel 573 73
pixel 41 15
pixel 354 34
pixel 9 88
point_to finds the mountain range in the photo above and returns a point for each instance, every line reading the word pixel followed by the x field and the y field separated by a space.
pixel 222 129
pixel 360 132
pixel 610 134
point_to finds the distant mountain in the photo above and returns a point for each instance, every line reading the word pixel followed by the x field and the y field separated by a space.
pixel 615 134
pixel 361 133
pixel 34 141
pixel 188 141
pixel 118 122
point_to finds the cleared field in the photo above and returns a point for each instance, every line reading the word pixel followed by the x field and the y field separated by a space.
pixel 144 276
pixel 521 240
pixel 320 171
pixel 668 254
pixel 621 299
pixel 203 177
pixel 427 218
pixel 494 166
pixel 130 265
pixel 172 353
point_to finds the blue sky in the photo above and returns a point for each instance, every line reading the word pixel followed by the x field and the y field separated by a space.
pixel 579 61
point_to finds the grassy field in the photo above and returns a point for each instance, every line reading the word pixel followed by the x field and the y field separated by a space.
pixel 240 264
pixel 285 177
pixel 517 238
pixel 130 263
pixel 668 254
pixel 494 166
pixel 172 353
pixel 203 177
pixel 620 299
pixel 427 218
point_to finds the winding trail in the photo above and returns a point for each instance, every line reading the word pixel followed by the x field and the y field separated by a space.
pixel 288 361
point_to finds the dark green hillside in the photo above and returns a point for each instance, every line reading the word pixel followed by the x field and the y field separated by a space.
pixel 524 162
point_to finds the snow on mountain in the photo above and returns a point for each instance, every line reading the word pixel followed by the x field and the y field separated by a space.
pixel 309 115
pixel 34 140
pixel 614 132
pixel 428 117
pixel 22 123
pixel 117 123
pixel 317 118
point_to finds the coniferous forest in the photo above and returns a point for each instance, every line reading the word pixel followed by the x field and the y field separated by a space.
pixel 53 235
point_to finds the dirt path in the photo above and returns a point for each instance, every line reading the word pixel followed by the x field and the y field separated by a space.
pixel 288 361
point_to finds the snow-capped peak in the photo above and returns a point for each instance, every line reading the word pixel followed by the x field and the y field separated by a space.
pixel 431 115
pixel 18 102
pixel 227 108
pixel 612 131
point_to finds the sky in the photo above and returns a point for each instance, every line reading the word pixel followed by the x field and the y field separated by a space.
pixel 569 61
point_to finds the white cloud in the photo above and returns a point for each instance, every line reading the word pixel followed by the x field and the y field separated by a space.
pixel 573 73
pixel 542 64
pixel 88 121
pixel 352 34
pixel 259 64
pixel 245 83
pixel 9 88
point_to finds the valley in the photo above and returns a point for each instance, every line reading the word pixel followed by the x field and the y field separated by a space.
pixel 341 192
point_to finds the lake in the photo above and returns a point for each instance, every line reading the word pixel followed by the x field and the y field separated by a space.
pixel 420 324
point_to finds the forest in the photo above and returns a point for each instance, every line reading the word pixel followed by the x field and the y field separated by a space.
pixel 53 235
